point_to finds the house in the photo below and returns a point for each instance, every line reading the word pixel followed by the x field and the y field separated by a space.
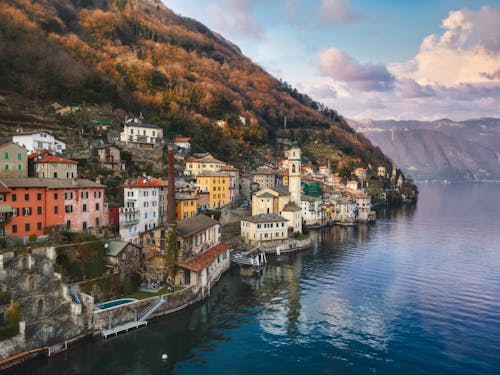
pixel 143 199
pixel 195 165
pixel 109 157
pixel 185 206
pixel 196 235
pixel 360 173
pixel 137 134
pixel 352 184
pixel 265 177
pixel 345 210
pixel 40 203
pixel 234 181
pixel 123 258
pixel 182 143
pixel 203 200
pixel 381 171
pixel 264 228
pixel 364 212
pixel 55 167
pixel 13 160
pixel 6 211
pixel 217 184
pixel 38 141
pixel 313 213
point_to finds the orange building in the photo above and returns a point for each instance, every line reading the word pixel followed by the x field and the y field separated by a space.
pixel 186 206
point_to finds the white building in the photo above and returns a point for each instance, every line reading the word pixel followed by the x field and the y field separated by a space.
pixel 313 213
pixel 38 141
pixel 259 229
pixel 141 135
pixel 141 207
pixel 182 143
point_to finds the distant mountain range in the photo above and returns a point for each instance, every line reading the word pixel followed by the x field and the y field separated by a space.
pixel 443 149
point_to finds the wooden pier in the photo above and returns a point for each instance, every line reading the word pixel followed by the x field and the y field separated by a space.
pixel 254 259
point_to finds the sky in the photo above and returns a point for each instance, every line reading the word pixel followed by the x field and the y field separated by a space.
pixel 371 59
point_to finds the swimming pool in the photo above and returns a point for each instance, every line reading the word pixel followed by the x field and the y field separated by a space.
pixel 114 303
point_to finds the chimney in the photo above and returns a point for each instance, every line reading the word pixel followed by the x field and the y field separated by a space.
pixel 171 188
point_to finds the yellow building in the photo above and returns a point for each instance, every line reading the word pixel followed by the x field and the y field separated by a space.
pixel 270 201
pixel 186 206
pixel 207 163
pixel 217 184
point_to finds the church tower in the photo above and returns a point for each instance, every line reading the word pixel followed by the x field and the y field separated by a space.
pixel 294 175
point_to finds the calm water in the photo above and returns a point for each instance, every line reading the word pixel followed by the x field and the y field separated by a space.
pixel 418 292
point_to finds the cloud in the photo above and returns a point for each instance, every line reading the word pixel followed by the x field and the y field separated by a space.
pixel 235 16
pixel 364 77
pixel 337 12
pixel 468 51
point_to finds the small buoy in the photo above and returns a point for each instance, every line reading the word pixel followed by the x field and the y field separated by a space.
pixel 164 356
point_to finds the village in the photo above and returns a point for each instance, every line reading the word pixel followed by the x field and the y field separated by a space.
pixel 76 264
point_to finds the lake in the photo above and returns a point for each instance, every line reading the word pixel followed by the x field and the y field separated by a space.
pixel 418 292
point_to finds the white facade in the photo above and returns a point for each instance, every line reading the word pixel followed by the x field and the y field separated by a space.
pixel 140 211
pixel 38 141
pixel 312 211
pixel 136 132
pixel 294 175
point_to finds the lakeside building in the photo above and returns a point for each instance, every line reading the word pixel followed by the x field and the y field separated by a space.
pixel 313 212
pixel 123 258
pixel 38 141
pixel 142 200
pixel 39 203
pixel 137 134
pixel 14 160
pixel 264 228
pixel 51 166
pixel 197 164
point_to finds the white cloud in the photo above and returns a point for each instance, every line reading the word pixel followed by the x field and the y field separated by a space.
pixel 235 17
pixel 337 12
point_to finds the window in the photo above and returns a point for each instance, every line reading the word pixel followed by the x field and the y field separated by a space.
pixel 55 174
pixel 27 227
pixel 97 206
pixel 14 228
pixel 56 196
pixel 68 195
pixel 39 196
pixel 84 209
pixel 84 225
pixel 56 209
pixel 19 156
pixel 68 223
pixel 39 226
pixel 27 211
pixel 26 197
pixel 6 167
pixel 39 210
pixel 14 197
pixel 96 221
pixel 68 208
pixel 6 155
pixel 84 194
pixel 20 167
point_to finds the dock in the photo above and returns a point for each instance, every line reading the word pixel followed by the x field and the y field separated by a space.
pixel 254 259
pixel 123 328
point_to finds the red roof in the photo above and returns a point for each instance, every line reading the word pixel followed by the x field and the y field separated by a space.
pixel 205 259
pixel 56 159
pixel 229 168
pixel 180 139
pixel 3 188
pixel 39 153
pixel 147 181
pixel 191 160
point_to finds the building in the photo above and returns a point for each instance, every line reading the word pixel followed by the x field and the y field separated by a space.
pixel 14 160
pixel 203 200
pixel 217 184
pixel 185 206
pixel 109 157
pixel 76 204
pixel 123 258
pixel 38 141
pixel 137 134
pixel 6 211
pixel 381 171
pixel 313 213
pixel 360 173
pixel 264 228
pixel 203 163
pixel 55 167
pixel 352 184
pixel 182 143
pixel 294 175
pixel 141 207
pixel 364 211
pixel 312 189
pixel 234 182
pixel 265 177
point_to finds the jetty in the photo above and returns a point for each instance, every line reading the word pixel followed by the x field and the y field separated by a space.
pixel 255 259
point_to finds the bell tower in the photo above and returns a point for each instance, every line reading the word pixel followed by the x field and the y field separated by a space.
pixel 294 175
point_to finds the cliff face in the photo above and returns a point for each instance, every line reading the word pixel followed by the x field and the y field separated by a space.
pixel 444 149
pixel 139 56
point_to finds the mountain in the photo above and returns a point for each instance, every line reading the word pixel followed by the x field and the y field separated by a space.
pixel 443 149
pixel 138 56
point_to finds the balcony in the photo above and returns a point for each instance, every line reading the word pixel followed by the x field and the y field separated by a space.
pixel 128 210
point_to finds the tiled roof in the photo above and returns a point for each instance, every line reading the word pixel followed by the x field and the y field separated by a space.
pixel 180 139
pixel 291 207
pixel 56 159
pixel 115 247
pixel 195 224
pixel 180 196
pixel 205 259
pixel 51 183
pixel 212 174
pixel 264 195
pixel 147 181
pixel 265 218
pixel 229 168
pixel 3 188
pixel 34 155
pixel 207 158
pixel 141 125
